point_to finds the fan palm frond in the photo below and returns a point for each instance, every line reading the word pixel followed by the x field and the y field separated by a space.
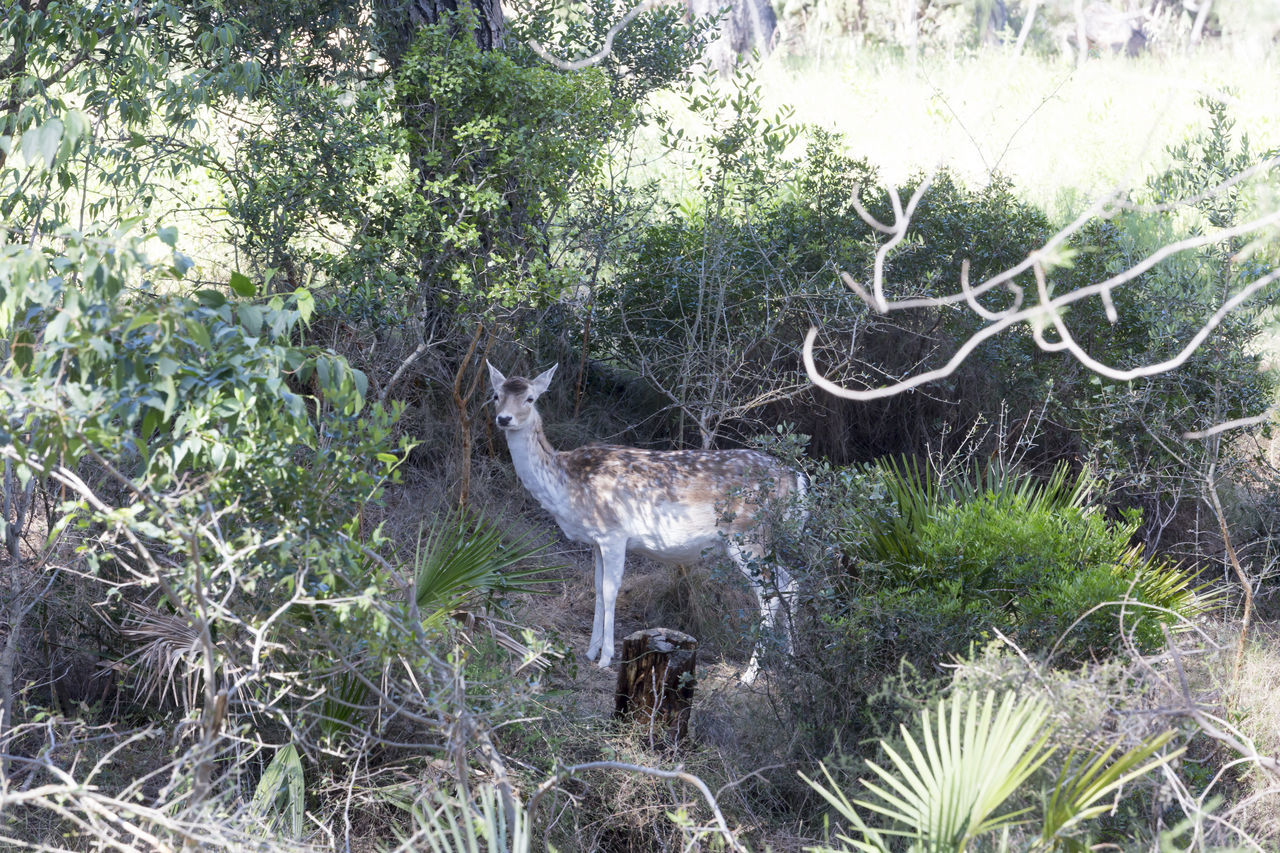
pixel 464 556
pixel 170 660
pixel 951 788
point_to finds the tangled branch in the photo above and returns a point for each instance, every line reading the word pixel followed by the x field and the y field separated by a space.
pixel 1047 310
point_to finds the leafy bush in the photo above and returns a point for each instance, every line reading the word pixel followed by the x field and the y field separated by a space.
pixel 716 289
pixel 1161 310
pixel 1035 559
pixel 911 569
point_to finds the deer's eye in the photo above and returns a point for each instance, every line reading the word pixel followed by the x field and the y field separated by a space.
pixel 530 400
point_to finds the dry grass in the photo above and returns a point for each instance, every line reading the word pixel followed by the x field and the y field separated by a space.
pixel 1258 715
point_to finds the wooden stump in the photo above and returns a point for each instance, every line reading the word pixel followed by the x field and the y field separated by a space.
pixel 655 682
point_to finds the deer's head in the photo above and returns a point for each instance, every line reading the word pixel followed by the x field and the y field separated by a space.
pixel 514 398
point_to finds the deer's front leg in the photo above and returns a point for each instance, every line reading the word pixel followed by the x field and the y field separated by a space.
pixel 597 622
pixel 613 557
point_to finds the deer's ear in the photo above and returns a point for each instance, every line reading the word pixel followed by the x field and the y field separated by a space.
pixel 495 377
pixel 539 385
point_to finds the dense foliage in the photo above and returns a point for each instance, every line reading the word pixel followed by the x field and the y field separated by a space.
pixel 253 256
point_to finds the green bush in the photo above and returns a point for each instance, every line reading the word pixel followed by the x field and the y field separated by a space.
pixel 910 570
pixel 715 290
pixel 1041 563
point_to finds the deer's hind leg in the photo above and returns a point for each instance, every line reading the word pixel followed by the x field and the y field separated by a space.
pixel 597 621
pixel 613 561
pixel 749 558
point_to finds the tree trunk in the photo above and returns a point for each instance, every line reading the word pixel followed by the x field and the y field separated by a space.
pixel 1197 29
pixel 399 21
pixel 656 678
pixel 746 25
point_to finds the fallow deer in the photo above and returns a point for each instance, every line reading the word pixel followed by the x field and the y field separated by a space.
pixel 672 506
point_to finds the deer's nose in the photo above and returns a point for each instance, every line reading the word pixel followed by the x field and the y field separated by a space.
pixel 504 420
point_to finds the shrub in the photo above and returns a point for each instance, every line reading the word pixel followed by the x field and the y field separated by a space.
pixel 1036 558
pixel 909 569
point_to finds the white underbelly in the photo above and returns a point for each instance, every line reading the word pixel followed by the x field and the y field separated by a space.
pixel 674 533
pixel 669 549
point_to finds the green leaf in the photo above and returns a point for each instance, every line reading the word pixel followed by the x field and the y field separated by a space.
pixel 168 235
pixel 57 326
pixel 199 334
pixel 170 390
pixel 49 138
pixel 306 303
pixel 324 375
pixel 250 317
pixel 143 319
pixel 242 286
pixel 150 423
pixel 23 348
pixel 77 125
pixel 211 298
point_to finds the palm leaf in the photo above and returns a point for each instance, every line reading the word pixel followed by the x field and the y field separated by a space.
pixel 1166 584
pixel 283 778
pixel 1081 788
pixel 345 700
pixel 950 787
pixel 871 842
pixel 919 493
pixel 454 824
pixel 464 557
pixel 170 659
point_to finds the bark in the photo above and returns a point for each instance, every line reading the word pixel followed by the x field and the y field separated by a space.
pixel 462 404
pixel 1098 25
pixel 1202 17
pixel 15 506
pixel 400 20
pixel 993 18
pixel 746 25
pixel 656 679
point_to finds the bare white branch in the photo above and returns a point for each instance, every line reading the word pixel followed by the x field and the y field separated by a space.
pixel 605 49
pixel 1230 425
pixel 1047 312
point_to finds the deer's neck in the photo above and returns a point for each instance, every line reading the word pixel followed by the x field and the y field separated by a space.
pixel 539 468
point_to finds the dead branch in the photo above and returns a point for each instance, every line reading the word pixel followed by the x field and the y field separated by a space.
pixel 568 772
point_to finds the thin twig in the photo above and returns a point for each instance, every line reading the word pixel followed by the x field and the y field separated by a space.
pixel 681 775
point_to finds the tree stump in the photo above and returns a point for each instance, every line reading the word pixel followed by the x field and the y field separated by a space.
pixel 655 683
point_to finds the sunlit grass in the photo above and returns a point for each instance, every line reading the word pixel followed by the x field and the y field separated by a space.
pixel 1062 134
